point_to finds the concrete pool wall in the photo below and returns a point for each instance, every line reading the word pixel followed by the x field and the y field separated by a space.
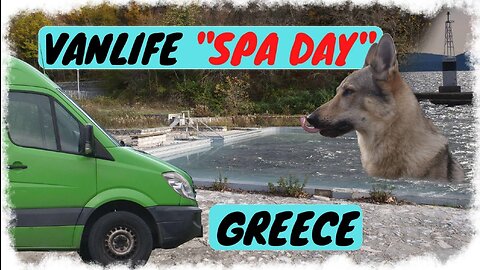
pixel 345 193
pixel 208 140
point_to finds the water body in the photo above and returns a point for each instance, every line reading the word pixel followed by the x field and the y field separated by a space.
pixel 335 162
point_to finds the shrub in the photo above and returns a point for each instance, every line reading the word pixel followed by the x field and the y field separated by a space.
pixel 220 184
pixel 289 187
pixel 293 101
pixel 232 93
pixel 382 193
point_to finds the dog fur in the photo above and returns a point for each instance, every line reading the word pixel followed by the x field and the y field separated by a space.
pixel 396 140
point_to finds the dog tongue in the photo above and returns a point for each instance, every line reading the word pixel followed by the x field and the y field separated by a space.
pixel 303 122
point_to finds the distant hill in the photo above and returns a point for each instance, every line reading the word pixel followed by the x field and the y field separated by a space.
pixel 431 62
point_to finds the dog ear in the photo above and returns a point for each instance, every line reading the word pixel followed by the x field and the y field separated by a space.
pixel 384 63
pixel 370 54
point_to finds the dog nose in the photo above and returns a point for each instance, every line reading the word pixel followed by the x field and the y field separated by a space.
pixel 313 120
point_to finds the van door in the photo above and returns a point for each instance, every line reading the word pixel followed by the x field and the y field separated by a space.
pixel 50 180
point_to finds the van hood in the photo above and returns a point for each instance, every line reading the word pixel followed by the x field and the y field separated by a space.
pixel 145 161
pixel 175 168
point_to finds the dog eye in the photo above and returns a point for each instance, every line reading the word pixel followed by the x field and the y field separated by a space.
pixel 347 92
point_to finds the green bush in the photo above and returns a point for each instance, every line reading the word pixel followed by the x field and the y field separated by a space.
pixel 200 96
pixel 229 96
pixel 293 101
pixel 289 187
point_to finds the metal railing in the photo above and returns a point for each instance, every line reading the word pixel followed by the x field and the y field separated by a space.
pixel 188 123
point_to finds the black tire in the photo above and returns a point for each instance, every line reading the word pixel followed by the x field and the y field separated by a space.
pixel 84 253
pixel 120 237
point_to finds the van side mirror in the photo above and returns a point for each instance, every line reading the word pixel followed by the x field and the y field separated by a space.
pixel 87 140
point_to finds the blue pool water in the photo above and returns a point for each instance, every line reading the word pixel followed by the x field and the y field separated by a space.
pixel 334 162
pixel 324 162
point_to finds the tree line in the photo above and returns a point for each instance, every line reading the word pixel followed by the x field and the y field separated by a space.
pixel 219 92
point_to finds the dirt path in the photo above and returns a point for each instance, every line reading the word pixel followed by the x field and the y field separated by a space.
pixel 391 233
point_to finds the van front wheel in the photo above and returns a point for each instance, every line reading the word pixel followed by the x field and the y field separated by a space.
pixel 120 237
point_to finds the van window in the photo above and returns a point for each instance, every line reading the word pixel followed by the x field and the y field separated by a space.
pixel 30 121
pixel 68 130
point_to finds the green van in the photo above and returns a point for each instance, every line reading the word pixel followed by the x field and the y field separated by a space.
pixel 74 187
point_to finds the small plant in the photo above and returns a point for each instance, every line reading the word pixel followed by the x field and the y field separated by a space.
pixel 289 187
pixel 220 184
pixel 382 193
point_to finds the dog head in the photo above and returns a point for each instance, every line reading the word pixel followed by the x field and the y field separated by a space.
pixel 364 99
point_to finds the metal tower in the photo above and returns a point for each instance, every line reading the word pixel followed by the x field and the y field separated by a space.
pixel 448 49
pixel 449 62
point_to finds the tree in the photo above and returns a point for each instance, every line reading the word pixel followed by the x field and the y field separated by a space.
pixel 23 34
pixel 102 14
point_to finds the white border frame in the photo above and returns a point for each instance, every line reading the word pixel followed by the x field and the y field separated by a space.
pixel 465 259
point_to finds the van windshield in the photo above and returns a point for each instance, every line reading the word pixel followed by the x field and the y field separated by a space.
pixel 117 143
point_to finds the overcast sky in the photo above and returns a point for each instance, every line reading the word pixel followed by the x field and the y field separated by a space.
pixel 434 39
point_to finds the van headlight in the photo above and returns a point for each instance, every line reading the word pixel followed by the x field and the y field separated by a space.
pixel 180 184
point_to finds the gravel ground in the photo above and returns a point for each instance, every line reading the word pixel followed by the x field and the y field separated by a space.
pixel 391 233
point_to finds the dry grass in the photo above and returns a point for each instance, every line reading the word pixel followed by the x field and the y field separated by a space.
pixel 113 113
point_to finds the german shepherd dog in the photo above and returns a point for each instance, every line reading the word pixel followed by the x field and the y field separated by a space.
pixel 396 140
